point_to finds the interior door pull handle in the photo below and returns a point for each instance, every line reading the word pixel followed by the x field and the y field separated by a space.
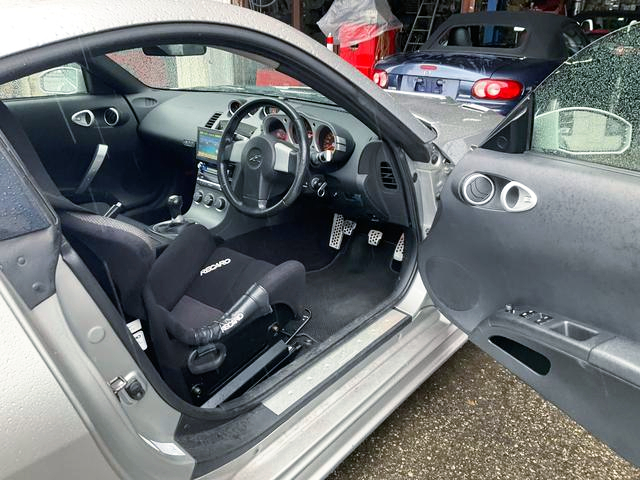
pixel 516 197
pixel 96 162
pixel 84 118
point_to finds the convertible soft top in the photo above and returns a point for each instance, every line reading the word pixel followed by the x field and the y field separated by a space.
pixel 543 33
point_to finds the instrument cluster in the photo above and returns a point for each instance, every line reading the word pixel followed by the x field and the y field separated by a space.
pixel 330 144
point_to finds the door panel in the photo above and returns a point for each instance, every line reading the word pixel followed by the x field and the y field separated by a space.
pixel 573 257
pixel 127 175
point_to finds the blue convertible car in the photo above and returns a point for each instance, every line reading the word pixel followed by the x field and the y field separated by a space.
pixel 491 58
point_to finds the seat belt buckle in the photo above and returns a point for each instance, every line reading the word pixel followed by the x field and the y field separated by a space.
pixel 113 210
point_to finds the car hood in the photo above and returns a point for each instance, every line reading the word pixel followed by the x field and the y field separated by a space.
pixel 475 64
pixel 459 127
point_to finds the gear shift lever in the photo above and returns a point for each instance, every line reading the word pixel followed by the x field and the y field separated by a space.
pixel 174 202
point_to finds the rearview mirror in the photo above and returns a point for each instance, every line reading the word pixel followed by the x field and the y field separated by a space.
pixel 61 80
pixel 582 131
pixel 177 50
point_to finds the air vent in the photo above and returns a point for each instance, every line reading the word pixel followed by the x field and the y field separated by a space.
pixel 212 121
pixel 387 177
pixel 477 189
pixel 111 116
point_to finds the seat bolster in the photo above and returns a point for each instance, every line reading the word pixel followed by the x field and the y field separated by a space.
pixel 128 251
pixel 175 269
pixel 285 284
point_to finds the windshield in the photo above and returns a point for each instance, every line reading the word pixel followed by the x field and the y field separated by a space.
pixel 216 71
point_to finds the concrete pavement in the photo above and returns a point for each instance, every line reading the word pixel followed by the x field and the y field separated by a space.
pixel 474 420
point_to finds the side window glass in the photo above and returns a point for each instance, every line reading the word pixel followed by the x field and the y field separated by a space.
pixel 65 80
pixel 573 41
pixel 587 109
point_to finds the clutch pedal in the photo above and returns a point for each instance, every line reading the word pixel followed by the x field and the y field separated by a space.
pixel 349 227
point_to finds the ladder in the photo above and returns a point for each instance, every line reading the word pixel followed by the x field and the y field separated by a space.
pixel 422 24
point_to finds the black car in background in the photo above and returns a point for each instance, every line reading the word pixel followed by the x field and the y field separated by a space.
pixel 490 59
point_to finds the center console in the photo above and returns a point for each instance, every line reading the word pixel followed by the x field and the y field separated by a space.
pixel 209 205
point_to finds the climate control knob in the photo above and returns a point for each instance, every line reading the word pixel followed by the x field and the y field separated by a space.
pixel 208 200
pixel 197 196
pixel 220 203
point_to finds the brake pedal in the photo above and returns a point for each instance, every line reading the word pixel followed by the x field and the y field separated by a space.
pixel 349 227
pixel 337 231
pixel 398 253
pixel 374 237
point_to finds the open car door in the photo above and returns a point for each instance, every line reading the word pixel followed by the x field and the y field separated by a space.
pixel 535 252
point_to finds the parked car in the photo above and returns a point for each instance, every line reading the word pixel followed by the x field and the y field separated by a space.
pixel 596 24
pixel 492 59
pixel 323 249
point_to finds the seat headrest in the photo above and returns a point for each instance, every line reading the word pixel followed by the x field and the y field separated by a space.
pixel 460 38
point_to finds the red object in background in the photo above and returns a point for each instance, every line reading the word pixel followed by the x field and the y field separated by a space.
pixel 267 77
pixel 365 54
pixel 330 42
pixel 380 78
pixel 496 89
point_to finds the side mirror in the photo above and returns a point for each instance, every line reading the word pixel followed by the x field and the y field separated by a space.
pixel 513 134
pixel 61 81
pixel 177 50
pixel 582 131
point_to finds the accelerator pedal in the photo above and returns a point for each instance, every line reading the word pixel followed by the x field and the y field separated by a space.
pixel 349 227
pixel 374 237
pixel 398 253
pixel 337 231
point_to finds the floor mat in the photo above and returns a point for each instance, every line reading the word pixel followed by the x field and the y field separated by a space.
pixel 307 242
pixel 356 281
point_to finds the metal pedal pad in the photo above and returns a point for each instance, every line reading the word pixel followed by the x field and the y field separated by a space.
pixel 349 227
pixel 398 253
pixel 374 237
pixel 337 231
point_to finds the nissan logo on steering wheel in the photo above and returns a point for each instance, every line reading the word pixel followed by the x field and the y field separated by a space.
pixel 255 158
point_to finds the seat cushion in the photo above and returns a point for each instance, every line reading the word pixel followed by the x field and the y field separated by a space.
pixel 225 277
pixel 194 314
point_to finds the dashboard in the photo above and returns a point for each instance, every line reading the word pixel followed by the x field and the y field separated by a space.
pixel 349 167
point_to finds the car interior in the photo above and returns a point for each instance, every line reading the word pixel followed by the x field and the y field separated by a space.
pixel 236 218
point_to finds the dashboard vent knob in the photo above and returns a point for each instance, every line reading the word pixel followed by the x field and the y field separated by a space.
pixel 477 189
pixel 387 177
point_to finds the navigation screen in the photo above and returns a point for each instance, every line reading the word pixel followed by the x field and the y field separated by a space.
pixel 208 143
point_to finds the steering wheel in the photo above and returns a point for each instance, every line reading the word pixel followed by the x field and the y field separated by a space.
pixel 262 163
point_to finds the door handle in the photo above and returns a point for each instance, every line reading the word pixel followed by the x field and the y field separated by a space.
pixel 84 118
pixel 516 197
pixel 96 162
